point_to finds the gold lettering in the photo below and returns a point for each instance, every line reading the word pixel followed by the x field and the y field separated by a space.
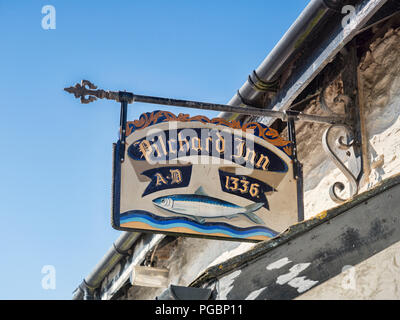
pixel 176 176
pixel 171 148
pixel 254 190
pixel 146 149
pixel 157 150
pixel 181 142
pixel 160 179
pixel 208 144
pixel 163 146
pixel 198 147
pixel 245 185
pixel 235 182
pixel 220 141
pixel 227 183
pixel 239 149
pixel 248 153
pixel 266 162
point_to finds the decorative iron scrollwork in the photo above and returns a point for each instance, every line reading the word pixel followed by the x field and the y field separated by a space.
pixel 342 144
pixel 345 142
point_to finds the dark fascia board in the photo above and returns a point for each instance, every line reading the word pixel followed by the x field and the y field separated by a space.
pixel 325 217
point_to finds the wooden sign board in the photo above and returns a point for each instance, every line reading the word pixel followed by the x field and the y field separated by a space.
pixel 192 176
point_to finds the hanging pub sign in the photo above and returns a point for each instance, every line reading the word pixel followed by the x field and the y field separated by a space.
pixel 192 176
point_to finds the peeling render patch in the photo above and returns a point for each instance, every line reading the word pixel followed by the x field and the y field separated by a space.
pixel 294 272
pixel 226 284
pixel 254 295
pixel 302 284
pixel 278 264
pixel 232 253
pixel 380 69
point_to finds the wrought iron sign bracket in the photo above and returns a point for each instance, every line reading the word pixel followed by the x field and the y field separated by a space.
pixel 352 134
pixel 348 141
pixel 88 92
pixel 124 111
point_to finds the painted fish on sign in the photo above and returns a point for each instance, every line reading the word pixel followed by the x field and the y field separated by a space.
pixel 203 177
pixel 200 206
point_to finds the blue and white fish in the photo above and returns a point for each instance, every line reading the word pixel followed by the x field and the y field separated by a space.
pixel 200 206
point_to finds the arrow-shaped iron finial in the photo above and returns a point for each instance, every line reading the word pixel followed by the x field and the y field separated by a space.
pixel 86 88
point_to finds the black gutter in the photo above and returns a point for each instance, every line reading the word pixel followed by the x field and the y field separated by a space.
pixel 267 76
pixel 118 250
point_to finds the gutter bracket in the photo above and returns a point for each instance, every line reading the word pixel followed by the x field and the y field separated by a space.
pixel 88 291
pixel 122 253
pixel 263 86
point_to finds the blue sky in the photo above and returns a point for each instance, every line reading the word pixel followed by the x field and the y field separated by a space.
pixel 56 157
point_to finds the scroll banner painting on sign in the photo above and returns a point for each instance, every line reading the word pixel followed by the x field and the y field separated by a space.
pixel 194 176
